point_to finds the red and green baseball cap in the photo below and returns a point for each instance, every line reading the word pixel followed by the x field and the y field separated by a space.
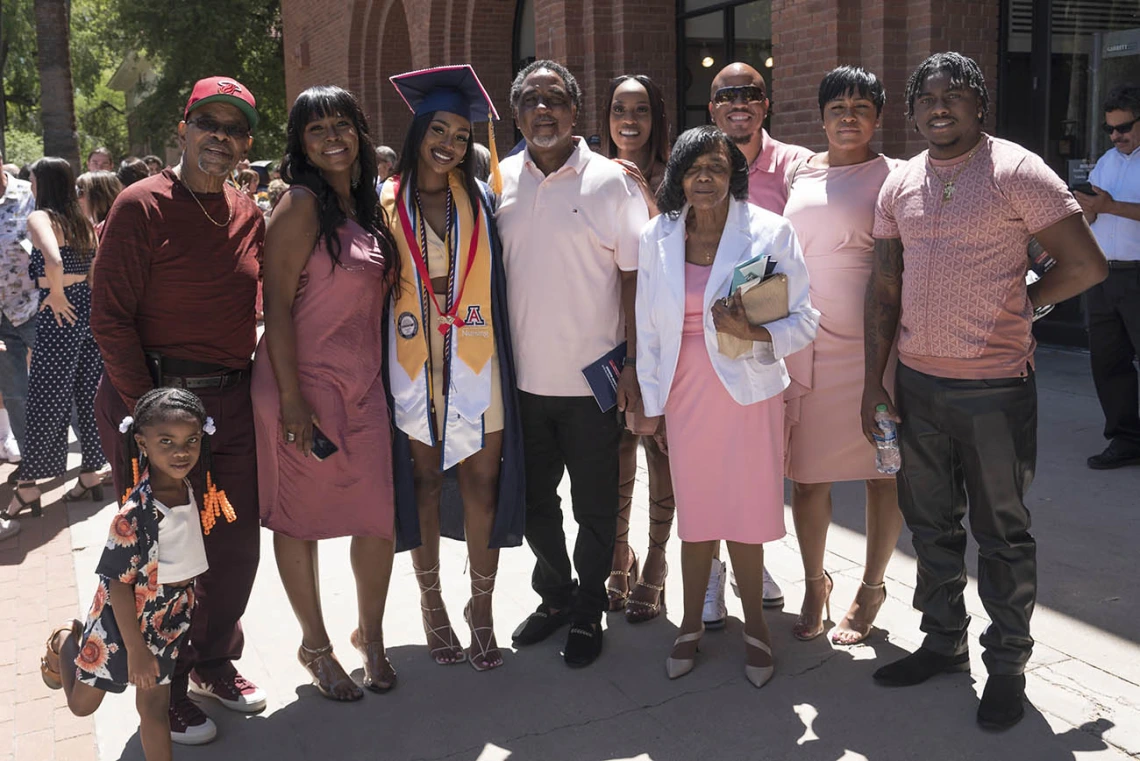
pixel 223 90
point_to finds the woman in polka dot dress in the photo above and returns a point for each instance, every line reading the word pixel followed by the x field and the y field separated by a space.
pixel 66 364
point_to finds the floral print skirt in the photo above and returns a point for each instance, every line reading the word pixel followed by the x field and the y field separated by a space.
pixel 165 624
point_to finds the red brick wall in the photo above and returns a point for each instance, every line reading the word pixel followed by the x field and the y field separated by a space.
pixel 888 37
pixel 360 43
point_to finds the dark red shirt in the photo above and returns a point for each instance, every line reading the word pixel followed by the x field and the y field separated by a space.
pixel 169 280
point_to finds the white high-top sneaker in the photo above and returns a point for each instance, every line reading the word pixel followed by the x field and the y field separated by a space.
pixel 773 595
pixel 10 450
pixel 715 612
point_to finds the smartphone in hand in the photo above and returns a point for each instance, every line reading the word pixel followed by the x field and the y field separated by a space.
pixel 322 446
pixel 1083 187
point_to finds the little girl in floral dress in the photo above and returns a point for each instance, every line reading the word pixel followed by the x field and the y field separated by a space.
pixel 140 618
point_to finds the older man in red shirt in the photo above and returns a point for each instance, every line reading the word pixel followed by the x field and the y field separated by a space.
pixel 173 305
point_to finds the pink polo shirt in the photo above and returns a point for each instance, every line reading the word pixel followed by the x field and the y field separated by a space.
pixel 767 186
pixel 965 310
pixel 566 239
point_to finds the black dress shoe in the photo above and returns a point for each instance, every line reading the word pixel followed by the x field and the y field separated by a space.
pixel 540 625
pixel 583 645
pixel 1113 457
pixel 919 666
pixel 1003 702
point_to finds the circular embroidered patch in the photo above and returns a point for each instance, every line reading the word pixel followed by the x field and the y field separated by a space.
pixel 407 325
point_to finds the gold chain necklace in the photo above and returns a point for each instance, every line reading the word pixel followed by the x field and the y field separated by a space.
pixel 229 206
pixel 948 185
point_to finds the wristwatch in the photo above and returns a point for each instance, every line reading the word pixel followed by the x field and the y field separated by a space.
pixel 628 362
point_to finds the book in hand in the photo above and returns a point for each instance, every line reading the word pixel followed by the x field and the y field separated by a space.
pixel 755 268
pixel 602 375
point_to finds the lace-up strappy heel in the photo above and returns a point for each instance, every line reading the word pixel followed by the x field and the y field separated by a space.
pixel 449 645
pixel 484 654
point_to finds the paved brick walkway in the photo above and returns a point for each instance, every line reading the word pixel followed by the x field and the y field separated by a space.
pixel 37 593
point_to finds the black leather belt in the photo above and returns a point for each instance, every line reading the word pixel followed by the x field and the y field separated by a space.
pixel 226 380
pixel 1117 264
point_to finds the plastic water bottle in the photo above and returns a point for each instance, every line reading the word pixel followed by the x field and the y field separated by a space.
pixel 887 457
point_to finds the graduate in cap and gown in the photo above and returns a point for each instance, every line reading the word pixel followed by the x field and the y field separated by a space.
pixel 457 450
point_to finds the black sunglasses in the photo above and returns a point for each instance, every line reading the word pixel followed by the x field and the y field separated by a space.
pixel 747 93
pixel 1121 128
pixel 212 126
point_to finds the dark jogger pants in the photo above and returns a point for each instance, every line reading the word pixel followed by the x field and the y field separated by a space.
pixel 975 442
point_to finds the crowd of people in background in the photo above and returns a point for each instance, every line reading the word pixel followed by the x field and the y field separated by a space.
pixel 430 315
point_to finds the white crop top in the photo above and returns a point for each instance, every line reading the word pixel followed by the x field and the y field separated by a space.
pixel 181 551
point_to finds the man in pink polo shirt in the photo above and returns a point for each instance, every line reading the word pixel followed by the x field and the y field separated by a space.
pixel 952 227
pixel 738 104
pixel 570 220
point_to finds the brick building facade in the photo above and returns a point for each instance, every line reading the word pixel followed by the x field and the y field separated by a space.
pixel 359 43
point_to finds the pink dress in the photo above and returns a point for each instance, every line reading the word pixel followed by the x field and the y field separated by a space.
pixel 833 211
pixel 337 316
pixel 727 459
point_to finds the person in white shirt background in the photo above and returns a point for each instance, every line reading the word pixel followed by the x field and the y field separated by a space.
pixel 1114 305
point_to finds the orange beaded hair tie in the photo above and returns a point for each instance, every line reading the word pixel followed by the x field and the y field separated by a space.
pixel 153 405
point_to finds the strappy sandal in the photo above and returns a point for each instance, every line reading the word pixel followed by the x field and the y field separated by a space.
pixel 25 504
pixel 86 493
pixel 758 675
pixel 489 650
pixel 848 624
pixel 379 674
pixel 617 590
pixel 327 673
pixel 449 645
pixel 802 629
pixel 640 611
pixel 51 674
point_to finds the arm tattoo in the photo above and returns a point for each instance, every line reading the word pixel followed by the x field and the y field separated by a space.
pixel 882 305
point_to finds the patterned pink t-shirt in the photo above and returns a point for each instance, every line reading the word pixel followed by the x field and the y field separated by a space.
pixel 965 310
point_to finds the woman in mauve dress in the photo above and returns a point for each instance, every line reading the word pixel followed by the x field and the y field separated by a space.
pixel 329 265
pixel 831 204
pixel 723 421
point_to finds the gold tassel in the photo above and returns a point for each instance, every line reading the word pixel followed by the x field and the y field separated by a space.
pixel 496 177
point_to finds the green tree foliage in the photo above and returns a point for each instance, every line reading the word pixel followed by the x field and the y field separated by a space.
pixel 203 38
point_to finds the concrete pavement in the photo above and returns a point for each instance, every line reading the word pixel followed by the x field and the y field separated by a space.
pixel 1084 679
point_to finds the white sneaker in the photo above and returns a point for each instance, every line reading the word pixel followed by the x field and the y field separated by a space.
pixel 10 450
pixel 715 612
pixel 773 595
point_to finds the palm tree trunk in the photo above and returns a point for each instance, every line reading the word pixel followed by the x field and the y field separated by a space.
pixel 57 99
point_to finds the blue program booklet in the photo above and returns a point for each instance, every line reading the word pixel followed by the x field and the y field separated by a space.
pixel 756 268
pixel 603 374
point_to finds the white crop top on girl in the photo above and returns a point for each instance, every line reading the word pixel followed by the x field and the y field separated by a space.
pixel 181 551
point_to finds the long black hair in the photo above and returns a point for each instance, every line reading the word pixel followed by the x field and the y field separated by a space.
pixel 162 404
pixel 963 72
pixel 320 102
pixel 55 194
pixel 659 131
pixel 408 167
pixel 691 145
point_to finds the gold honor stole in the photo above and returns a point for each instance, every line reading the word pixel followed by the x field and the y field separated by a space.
pixel 465 317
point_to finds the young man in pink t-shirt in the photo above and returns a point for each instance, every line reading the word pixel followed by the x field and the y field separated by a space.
pixel 952 227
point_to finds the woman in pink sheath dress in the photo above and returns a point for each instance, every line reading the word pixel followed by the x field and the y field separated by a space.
pixel 328 267
pixel 831 204
pixel 723 417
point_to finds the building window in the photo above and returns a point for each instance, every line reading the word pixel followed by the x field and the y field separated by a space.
pixel 711 34
pixel 524 34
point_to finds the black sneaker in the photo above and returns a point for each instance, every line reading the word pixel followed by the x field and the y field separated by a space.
pixel 1114 457
pixel 540 625
pixel 919 666
pixel 583 644
pixel 1003 702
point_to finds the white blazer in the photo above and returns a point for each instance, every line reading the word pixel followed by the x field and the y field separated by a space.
pixel 748 232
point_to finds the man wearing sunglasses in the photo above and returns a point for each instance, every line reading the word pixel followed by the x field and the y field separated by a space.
pixel 1114 305
pixel 739 104
pixel 173 305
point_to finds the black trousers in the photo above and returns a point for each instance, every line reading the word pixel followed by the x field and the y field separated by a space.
pixel 570 434
pixel 1114 342
pixel 970 442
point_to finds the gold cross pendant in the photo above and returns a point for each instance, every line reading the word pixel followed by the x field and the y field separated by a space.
pixel 947 191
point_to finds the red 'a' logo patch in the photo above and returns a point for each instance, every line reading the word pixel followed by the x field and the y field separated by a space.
pixel 474 316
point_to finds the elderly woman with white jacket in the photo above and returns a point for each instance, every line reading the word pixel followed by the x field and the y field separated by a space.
pixel 723 418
